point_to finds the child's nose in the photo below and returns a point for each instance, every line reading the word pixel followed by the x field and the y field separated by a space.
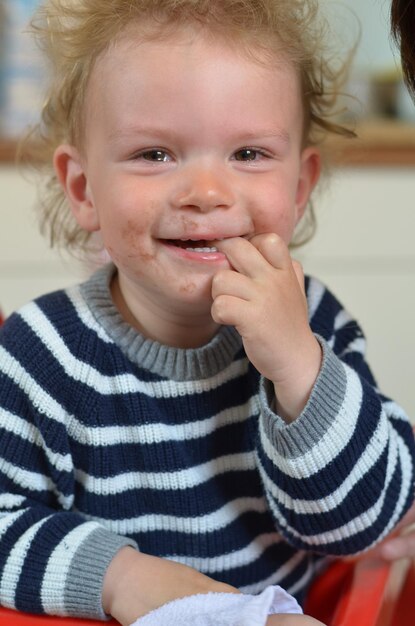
pixel 204 189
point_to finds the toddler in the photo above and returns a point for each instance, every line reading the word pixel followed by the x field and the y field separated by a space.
pixel 196 417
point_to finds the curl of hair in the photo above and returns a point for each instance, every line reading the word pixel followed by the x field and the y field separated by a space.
pixel 74 33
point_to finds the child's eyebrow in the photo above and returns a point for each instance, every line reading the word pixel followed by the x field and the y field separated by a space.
pixel 273 133
pixel 158 131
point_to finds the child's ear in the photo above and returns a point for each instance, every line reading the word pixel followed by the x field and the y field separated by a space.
pixel 309 174
pixel 70 171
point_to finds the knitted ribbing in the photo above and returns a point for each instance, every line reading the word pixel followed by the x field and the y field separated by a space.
pixel 108 439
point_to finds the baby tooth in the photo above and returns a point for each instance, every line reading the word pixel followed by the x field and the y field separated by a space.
pixel 213 249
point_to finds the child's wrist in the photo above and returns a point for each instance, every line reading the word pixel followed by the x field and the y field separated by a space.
pixel 116 590
pixel 292 395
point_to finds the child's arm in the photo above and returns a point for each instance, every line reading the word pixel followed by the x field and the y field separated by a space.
pixel 52 559
pixel 137 583
pixel 336 457
pixel 263 297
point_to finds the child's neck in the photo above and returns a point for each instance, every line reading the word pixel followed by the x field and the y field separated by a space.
pixel 164 326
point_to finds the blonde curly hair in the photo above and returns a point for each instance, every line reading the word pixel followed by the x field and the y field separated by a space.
pixel 74 33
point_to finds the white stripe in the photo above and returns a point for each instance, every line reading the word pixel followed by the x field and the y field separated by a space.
pixel 315 293
pixel 58 565
pixel 357 345
pixel 342 319
pixel 157 433
pixel 394 411
pixel 203 524
pixel 323 452
pixel 238 558
pixel 119 384
pixel 14 565
pixel 26 479
pixel 161 481
pixel 75 296
pixel 10 501
pixel 34 481
pixel 8 519
pixel 27 431
pixel 12 423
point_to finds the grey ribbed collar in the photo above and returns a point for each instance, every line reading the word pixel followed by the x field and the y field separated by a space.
pixel 173 363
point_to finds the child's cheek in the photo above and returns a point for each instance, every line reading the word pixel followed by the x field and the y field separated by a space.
pixel 132 242
pixel 278 219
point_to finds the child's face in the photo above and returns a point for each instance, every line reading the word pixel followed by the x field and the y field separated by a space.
pixel 187 141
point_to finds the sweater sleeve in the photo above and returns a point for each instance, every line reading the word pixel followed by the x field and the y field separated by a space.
pixel 52 559
pixel 340 477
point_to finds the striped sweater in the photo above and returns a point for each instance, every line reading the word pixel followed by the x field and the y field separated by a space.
pixel 109 439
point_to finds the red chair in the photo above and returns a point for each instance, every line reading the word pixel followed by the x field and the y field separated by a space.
pixel 365 592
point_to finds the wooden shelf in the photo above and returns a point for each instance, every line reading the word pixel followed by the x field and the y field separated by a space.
pixel 7 151
pixel 379 142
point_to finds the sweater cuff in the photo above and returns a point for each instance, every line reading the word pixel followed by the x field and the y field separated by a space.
pixel 84 582
pixel 296 438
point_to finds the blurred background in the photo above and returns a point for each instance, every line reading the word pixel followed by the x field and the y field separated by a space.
pixel 364 247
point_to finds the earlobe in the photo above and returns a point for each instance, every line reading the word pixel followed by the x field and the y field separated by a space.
pixel 71 175
pixel 308 179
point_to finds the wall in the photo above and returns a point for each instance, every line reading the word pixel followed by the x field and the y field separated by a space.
pixel 27 266
pixel 363 250
pixel 374 52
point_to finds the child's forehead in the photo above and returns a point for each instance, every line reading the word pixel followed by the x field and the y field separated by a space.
pixel 191 57
pixel 172 74
pixel 251 46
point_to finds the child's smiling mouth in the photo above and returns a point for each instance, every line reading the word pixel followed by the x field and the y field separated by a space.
pixel 196 245
pixel 195 249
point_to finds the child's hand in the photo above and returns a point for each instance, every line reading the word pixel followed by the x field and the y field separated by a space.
pixel 136 583
pixel 263 297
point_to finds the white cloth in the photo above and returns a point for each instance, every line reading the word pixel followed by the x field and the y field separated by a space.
pixel 222 609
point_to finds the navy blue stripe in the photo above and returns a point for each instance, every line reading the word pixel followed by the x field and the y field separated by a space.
pixel 199 500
